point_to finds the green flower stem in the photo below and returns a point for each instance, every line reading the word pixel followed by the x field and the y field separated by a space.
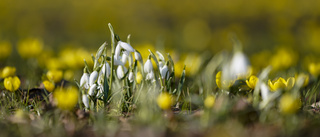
pixel 112 55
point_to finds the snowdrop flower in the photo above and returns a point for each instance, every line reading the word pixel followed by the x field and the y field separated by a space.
pixel 92 89
pixel 121 70
pixel 164 71
pixel 148 68
pixel 84 81
pixel 126 46
pixel 85 100
pixel 124 58
pixel 105 68
pixel 264 91
pixel 239 64
pixel 161 59
pixel 131 77
pixel 117 52
pixel 150 76
pixel 137 55
pixel 93 78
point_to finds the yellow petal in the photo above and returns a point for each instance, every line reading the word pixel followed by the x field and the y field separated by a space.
pixel 218 79
pixel 290 82
pixel 271 85
pixel 279 85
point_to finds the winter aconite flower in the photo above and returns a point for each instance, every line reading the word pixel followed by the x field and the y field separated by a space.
pixel 8 71
pixel 139 77
pixel 12 83
pixel 314 69
pixel 223 84
pixel 5 49
pixel 164 101
pixel 55 75
pixel 281 83
pixel 289 104
pixel 49 86
pixel 66 99
pixel 252 82
pixel 30 48
pixel 209 101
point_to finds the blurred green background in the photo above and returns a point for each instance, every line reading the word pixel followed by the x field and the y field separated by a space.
pixel 184 25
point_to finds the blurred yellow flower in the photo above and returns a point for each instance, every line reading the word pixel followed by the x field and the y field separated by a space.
pixel 30 48
pixel 8 71
pixel 209 101
pixel 139 77
pixel 66 99
pixel 69 75
pixel 55 75
pixel 281 83
pixel 253 80
pixel 12 83
pixel 283 59
pixel 223 84
pixel 5 49
pixel 314 69
pixel 305 78
pixel 289 104
pixel 54 63
pixel 164 101
pixel 49 86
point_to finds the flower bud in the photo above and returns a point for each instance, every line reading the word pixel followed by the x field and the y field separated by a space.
pixel 126 46
pixel 137 55
pixel 131 77
pixel 121 70
pixel 85 100
pixel 92 90
pixel 164 71
pixel 84 81
pixel 148 68
pixel 93 78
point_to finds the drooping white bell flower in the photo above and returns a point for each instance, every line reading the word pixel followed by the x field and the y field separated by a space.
pixel 92 90
pixel 124 58
pixel 164 72
pixel 161 57
pixel 150 76
pixel 264 91
pixel 137 55
pixel 84 81
pixel 239 64
pixel 148 68
pixel 131 77
pixel 105 69
pixel 93 78
pixel 126 46
pixel 117 52
pixel 85 100
pixel 121 70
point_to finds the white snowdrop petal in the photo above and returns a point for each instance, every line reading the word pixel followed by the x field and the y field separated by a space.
pixel 84 81
pixel 148 68
pixel 92 89
pixel 126 46
pixel 93 77
pixel 85 100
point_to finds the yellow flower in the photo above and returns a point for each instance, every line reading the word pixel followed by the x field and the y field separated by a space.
pixel 12 83
pixel 49 86
pixel 314 69
pixel 30 48
pixel 209 101
pixel 281 83
pixel 66 99
pixel 283 58
pixel 55 75
pixel 139 77
pixel 252 81
pixel 164 101
pixel 225 84
pixel 289 104
pixel 5 49
pixel 8 71
pixel 305 78
pixel 68 75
